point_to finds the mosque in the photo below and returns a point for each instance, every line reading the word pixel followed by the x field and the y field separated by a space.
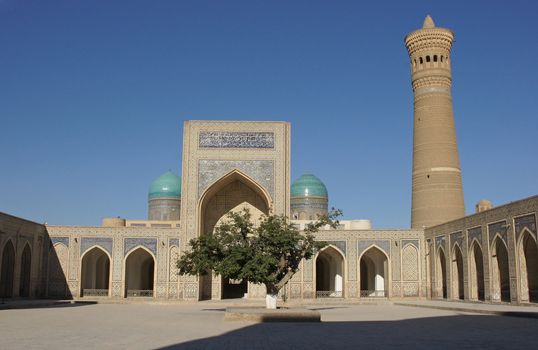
pixel 490 256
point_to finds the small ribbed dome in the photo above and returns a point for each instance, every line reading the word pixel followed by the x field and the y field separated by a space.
pixel 308 186
pixel 166 185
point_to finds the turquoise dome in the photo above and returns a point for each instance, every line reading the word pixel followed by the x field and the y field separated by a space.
pixel 166 185
pixel 308 186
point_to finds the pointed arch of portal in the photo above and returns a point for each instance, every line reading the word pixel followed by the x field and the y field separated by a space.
pixel 216 188
pixel 329 267
pixel 231 192
pixel 95 275
pixel 7 270
pixel 457 272
pixel 25 271
pixel 476 269
pixel 527 259
pixel 440 273
pixel 139 272
pixel 374 272
pixel 500 272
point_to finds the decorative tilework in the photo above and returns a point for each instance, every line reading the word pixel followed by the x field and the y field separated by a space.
pixel 498 228
pixel 63 240
pixel 528 222
pixel 440 241
pixel 174 241
pixel 456 237
pixel 103 242
pixel 339 244
pixel 362 245
pixel 230 139
pixel 475 233
pixel 149 243
pixel 414 242
pixel 261 171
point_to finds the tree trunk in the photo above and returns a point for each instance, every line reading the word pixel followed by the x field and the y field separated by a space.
pixel 271 296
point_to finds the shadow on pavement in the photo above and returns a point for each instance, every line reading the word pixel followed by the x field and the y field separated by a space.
pixel 448 332
pixel 42 304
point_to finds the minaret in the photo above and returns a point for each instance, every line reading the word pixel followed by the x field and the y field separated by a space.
pixel 437 190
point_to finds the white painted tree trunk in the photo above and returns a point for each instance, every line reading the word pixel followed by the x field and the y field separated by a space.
pixel 270 301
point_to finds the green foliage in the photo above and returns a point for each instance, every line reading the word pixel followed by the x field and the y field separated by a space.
pixel 268 254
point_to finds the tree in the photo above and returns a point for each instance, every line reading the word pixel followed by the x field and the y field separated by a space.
pixel 268 254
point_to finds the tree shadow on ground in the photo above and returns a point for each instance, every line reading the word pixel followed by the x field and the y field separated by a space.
pixel 448 332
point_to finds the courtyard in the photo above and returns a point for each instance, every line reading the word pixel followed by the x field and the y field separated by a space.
pixel 202 326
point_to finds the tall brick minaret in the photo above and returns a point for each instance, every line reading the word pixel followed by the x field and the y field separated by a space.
pixel 437 190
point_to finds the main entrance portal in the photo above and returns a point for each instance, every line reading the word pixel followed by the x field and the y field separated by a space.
pixel 233 192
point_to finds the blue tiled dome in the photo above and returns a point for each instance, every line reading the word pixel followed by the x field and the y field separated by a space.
pixel 308 185
pixel 166 185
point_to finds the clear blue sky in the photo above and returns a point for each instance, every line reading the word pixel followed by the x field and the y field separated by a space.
pixel 93 95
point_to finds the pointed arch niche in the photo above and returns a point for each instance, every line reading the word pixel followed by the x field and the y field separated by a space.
pixel 95 273
pixel 232 192
pixel 527 253
pixel 500 275
pixel 7 270
pixel 457 273
pixel 476 265
pixel 139 273
pixel 440 272
pixel 330 273
pixel 26 268
pixel 374 273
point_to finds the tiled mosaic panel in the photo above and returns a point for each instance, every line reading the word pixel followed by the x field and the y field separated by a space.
pixel 362 245
pixel 498 228
pixel 456 237
pixel 149 243
pixel 440 241
pixel 410 263
pixel 475 233
pixel 414 242
pixel 339 244
pixel 103 242
pixel 230 139
pixel 63 240
pixel 528 222
pixel 261 171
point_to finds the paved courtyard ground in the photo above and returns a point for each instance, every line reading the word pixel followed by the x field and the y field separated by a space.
pixel 201 326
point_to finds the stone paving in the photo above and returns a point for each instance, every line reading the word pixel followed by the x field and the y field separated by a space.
pixel 202 326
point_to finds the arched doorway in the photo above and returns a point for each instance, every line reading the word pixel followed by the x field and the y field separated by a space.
pixel 441 274
pixel 374 273
pixel 528 268
pixel 7 272
pixel 139 273
pixel 95 273
pixel 500 272
pixel 477 272
pixel 329 273
pixel 26 266
pixel 457 273
pixel 233 192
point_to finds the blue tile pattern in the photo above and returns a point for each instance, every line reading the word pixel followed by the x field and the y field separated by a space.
pixel 528 222
pixel 103 242
pixel 498 228
pixel 64 240
pixel 149 243
pixel 210 171
pixel 340 245
pixel 230 139
pixel 384 244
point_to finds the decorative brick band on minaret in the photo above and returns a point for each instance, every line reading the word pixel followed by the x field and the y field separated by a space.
pixel 437 189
